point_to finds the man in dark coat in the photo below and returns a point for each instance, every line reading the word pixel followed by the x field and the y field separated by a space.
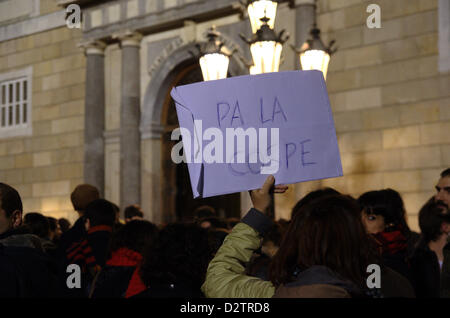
pixel 428 257
pixel 442 198
pixel 90 252
pixel 80 197
pixel 25 269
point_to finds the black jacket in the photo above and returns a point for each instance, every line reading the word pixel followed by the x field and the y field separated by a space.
pixel 90 254
pixel 445 273
pixel 426 272
pixel 112 282
pixel 72 236
pixel 26 272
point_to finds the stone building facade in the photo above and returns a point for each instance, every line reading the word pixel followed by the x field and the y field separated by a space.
pixel 105 116
pixel 45 162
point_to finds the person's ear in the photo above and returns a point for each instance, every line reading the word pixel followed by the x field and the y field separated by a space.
pixel 87 224
pixel 16 219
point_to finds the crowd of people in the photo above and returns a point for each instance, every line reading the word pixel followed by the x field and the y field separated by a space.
pixel 324 250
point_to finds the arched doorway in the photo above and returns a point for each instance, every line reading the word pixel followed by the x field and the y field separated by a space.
pixel 177 199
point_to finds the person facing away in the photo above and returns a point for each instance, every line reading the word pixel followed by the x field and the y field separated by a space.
pixel 428 257
pixel 176 265
pixel 383 215
pixel 39 225
pixel 55 229
pixel 204 211
pixel 64 224
pixel 118 224
pixel 81 196
pixel 212 223
pixel 90 252
pixel 25 270
pixel 324 253
pixel 314 260
pixel 120 277
pixel 133 212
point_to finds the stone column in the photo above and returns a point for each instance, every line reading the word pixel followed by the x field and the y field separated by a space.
pixel 130 113
pixel 152 172
pixel 94 115
pixel 305 13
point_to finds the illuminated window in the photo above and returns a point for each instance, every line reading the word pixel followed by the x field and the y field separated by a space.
pixel 15 103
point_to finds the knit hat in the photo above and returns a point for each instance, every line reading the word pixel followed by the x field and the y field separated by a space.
pixel 83 195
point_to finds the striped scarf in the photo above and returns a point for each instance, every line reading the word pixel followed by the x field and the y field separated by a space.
pixel 81 253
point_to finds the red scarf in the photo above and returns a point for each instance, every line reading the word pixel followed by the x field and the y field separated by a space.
pixel 390 243
pixel 124 257
pixel 81 253
pixel 136 284
pixel 98 228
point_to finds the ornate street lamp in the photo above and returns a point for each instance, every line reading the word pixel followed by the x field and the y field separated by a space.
pixel 214 57
pixel 258 9
pixel 314 55
pixel 266 47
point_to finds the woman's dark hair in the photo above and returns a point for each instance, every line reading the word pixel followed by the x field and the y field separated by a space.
pixel 431 217
pixel 216 223
pixel 204 211
pixel 38 224
pixel 181 253
pixel 132 211
pixel 64 224
pixel 310 197
pixel 387 203
pixel 284 224
pixel 115 208
pixel 327 231
pixel 100 212
pixel 445 173
pixel 136 235
pixel 53 223
pixel 274 234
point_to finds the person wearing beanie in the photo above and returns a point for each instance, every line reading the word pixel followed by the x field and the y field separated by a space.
pixel 90 252
pixel 81 196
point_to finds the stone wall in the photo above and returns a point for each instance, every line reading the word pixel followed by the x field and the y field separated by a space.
pixel 46 166
pixel 391 105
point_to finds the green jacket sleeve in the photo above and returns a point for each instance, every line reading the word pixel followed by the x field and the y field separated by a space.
pixel 226 277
